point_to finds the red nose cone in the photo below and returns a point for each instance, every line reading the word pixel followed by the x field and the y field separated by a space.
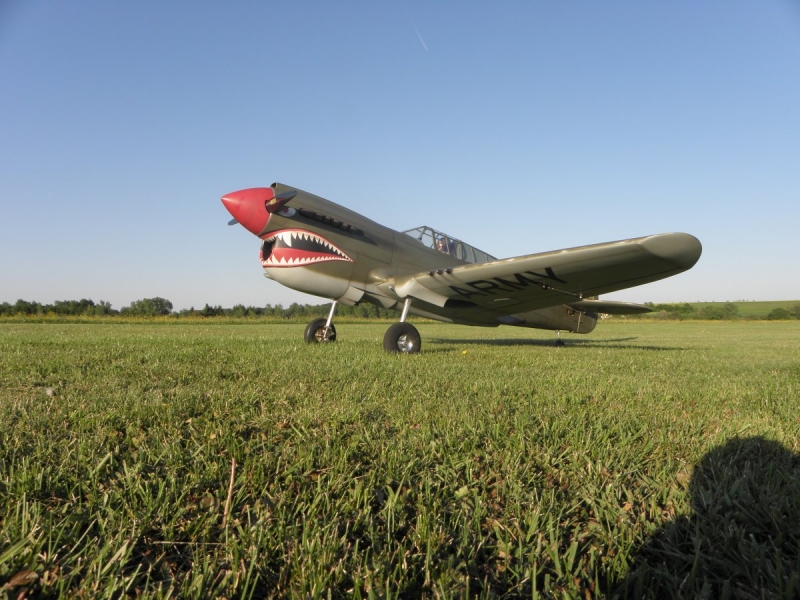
pixel 249 207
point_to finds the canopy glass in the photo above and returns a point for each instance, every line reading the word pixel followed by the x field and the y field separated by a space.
pixel 449 245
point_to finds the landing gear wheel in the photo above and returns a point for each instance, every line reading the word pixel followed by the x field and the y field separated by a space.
pixel 402 337
pixel 316 332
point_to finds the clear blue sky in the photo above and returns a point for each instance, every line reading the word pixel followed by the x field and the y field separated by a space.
pixel 519 127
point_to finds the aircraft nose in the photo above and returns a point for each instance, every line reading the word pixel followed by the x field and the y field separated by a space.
pixel 249 208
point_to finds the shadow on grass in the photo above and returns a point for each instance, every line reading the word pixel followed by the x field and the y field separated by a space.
pixel 614 343
pixel 742 539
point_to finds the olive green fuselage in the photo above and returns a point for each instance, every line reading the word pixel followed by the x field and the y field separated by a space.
pixel 376 259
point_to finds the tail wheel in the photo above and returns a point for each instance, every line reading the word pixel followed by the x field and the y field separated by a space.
pixel 316 332
pixel 402 337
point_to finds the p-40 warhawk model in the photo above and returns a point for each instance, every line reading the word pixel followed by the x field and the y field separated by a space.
pixel 315 246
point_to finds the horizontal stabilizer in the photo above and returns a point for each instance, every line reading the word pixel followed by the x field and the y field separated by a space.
pixel 610 307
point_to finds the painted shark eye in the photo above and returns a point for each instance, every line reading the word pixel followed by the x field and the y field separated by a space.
pixel 287 211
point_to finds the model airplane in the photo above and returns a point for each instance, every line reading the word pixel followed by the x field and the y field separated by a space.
pixel 314 246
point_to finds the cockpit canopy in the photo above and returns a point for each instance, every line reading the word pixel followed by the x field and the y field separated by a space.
pixel 449 245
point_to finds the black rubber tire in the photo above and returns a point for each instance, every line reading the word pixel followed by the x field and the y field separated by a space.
pixel 403 338
pixel 315 332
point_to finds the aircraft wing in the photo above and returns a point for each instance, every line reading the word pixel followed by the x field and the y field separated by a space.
pixel 482 292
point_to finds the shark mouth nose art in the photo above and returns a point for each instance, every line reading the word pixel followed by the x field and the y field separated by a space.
pixel 298 248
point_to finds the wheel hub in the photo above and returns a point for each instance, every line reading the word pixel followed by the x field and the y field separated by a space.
pixel 323 334
pixel 405 343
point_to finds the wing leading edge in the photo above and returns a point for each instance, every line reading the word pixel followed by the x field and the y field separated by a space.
pixel 481 293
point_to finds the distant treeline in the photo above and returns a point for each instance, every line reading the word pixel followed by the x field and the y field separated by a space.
pixel 154 307
pixel 717 311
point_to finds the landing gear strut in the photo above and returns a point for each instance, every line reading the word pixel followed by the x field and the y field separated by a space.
pixel 321 330
pixel 402 337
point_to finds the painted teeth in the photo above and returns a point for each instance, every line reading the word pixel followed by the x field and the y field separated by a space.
pixel 290 239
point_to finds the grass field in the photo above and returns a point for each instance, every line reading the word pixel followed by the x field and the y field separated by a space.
pixel 644 460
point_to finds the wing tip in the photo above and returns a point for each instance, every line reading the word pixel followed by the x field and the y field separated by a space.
pixel 681 249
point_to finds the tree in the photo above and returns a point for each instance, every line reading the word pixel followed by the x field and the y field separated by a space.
pixel 149 307
pixel 212 311
pixel 672 311
pixel 295 310
pixel 73 307
pixel 712 313
pixel 102 308
pixel 779 314
pixel 23 307
pixel 730 310
pixel 162 306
